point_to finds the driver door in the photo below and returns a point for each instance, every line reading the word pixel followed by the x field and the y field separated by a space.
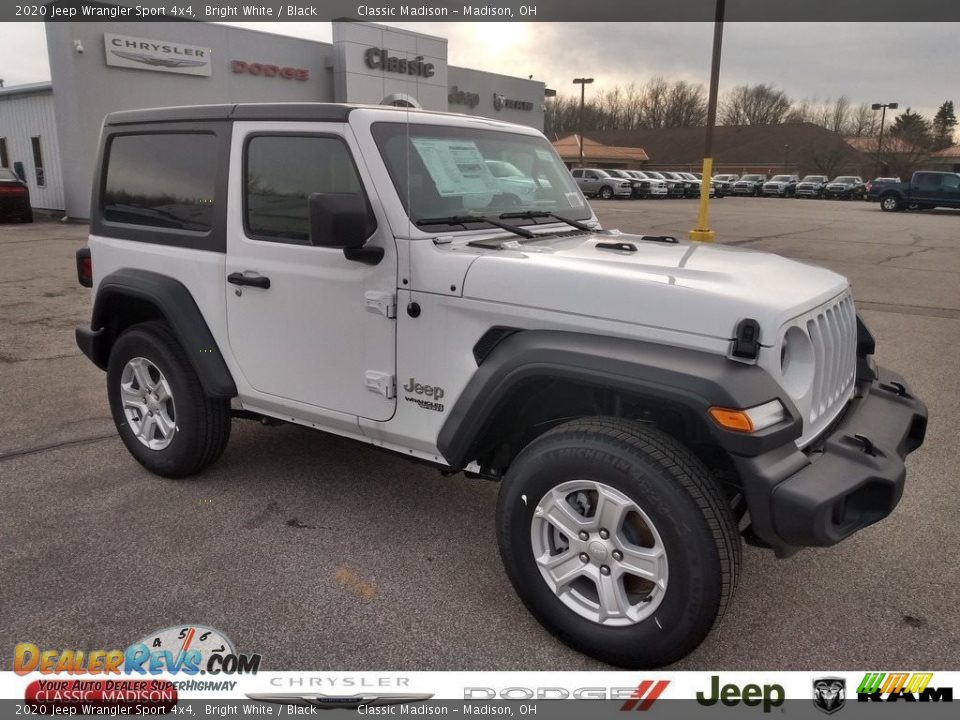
pixel 307 326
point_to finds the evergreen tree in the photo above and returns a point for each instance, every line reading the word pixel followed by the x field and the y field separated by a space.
pixel 912 127
pixel 944 123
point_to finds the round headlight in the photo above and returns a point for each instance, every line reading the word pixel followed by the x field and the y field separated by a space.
pixel 797 362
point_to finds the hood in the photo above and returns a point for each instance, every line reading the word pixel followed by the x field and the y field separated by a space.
pixel 688 287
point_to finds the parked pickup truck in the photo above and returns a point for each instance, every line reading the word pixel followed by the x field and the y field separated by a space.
pixel 926 190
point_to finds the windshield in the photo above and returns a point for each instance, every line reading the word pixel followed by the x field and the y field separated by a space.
pixel 814 178
pixel 752 177
pixel 618 173
pixel 654 174
pixel 781 178
pixel 441 170
pixel 846 180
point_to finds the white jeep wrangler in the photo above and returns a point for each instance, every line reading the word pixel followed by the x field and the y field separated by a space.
pixel 645 403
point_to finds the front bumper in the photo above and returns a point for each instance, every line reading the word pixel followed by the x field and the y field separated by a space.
pixel 851 478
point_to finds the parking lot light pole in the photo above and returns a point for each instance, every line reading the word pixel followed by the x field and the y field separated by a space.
pixel 702 232
pixel 883 117
pixel 582 82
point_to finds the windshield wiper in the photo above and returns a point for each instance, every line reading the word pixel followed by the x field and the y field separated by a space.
pixel 464 219
pixel 533 214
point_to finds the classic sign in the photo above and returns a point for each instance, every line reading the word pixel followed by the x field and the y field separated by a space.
pixel 381 59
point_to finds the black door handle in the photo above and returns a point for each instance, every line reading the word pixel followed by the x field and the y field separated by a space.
pixel 254 280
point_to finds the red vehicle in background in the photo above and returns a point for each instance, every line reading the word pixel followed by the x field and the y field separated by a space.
pixel 14 198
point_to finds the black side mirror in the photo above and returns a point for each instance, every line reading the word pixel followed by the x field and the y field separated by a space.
pixel 343 220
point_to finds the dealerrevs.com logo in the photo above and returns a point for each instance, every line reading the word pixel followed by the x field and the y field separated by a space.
pixel 187 650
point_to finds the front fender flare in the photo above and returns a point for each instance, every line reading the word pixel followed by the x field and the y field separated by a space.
pixel 693 379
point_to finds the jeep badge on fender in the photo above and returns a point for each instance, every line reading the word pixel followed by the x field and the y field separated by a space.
pixel 614 527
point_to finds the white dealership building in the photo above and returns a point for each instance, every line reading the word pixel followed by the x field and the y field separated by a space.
pixel 49 131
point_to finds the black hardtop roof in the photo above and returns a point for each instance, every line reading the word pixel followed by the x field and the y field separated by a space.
pixel 323 112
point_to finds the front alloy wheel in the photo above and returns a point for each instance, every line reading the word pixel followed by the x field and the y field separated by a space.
pixel 618 540
pixel 599 553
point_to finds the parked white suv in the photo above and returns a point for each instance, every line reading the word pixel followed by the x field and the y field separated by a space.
pixel 644 402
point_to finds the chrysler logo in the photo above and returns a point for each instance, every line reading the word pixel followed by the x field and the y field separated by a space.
pixel 339 701
pixel 156 61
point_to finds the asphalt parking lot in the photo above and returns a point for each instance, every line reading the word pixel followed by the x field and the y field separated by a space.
pixel 323 554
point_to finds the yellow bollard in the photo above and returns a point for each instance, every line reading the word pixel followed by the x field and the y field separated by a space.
pixel 702 232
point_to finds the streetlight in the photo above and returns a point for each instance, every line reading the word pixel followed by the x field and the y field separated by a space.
pixel 582 82
pixel 883 116
pixel 702 231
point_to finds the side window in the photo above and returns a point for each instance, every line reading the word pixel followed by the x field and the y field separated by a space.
pixel 578 173
pixel 592 175
pixel 951 182
pixel 928 180
pixel 280 174
pixel 163 180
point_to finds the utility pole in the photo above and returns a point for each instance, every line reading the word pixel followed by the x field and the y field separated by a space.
pixel 702 231
pixel 883 117
pixel 582 82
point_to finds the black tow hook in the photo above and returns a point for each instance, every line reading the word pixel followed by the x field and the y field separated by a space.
pixel 894 387
pixel 867 444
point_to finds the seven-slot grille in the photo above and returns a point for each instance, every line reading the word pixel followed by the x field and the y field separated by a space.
pixel 833 332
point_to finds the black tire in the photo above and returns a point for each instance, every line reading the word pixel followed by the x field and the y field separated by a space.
pixel 202 423
pixel 606 192
pixel 675 490
pixel 890 203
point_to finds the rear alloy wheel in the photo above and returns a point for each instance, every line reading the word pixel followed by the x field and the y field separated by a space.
pixel 618 540
pixel 161 411
pixel 606 192
pixel 890 203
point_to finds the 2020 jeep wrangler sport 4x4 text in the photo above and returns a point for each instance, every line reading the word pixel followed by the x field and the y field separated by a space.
pixel 646 404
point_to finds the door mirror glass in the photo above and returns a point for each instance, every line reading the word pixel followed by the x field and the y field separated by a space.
pixel 340 220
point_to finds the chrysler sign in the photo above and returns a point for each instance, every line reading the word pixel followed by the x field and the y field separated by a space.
pixel 158 55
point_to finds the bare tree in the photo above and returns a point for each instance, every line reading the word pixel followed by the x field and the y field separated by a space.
pixel 839 115
pixel 863 121
pixel 754 105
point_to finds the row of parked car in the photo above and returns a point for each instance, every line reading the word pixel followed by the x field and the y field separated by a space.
pixel 616 183
pixel 842 187
pixel 613 183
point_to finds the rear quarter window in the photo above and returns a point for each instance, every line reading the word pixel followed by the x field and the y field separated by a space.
pixel 161 180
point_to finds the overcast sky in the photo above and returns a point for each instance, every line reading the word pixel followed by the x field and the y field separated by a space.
pixel 914 64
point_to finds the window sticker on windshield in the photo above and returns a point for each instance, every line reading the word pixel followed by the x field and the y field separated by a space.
pixel 456 166
pixel 574 199
pixel 544 155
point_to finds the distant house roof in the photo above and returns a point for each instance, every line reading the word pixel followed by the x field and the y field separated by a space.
pixel 734 144
pixel 595 152
pixel 951 152
pixel 891 144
